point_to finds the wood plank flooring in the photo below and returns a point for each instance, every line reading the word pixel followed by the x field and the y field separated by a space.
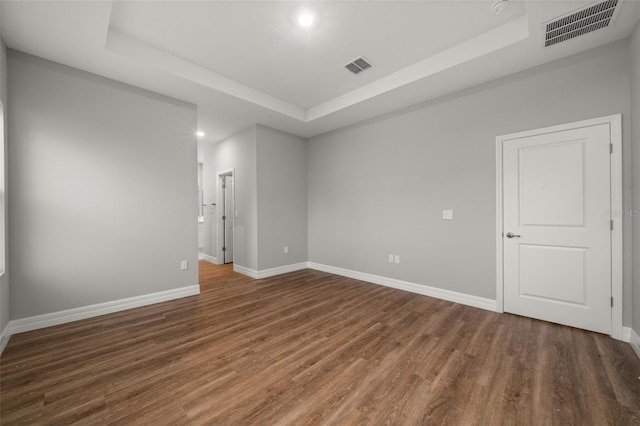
pixel 310 348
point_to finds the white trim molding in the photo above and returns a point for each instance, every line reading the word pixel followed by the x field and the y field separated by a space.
pixel 4 338
pixel 210 259
pixel 265 273
pixel 615 126
pixel 634 340
pixel 452 296
pixel 271 272
pixel 245 271
pixel 55 318
pixel 425 290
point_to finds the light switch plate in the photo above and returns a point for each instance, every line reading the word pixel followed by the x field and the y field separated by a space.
pixel 447 214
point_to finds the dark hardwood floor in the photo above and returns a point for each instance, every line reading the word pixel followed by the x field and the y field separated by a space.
pixel 313 348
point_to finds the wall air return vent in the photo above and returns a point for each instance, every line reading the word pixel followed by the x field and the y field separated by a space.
pixel 575 24
pixel 358 65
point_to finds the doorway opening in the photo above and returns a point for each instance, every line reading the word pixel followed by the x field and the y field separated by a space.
pixel 226 216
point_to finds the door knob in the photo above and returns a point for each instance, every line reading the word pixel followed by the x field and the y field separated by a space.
pixel 512 235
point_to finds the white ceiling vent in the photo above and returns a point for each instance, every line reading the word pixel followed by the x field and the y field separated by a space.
pixel 358 65
pixel 583 21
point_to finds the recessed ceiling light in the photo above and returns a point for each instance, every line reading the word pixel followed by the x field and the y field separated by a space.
pixel 306 18
pixel 199 134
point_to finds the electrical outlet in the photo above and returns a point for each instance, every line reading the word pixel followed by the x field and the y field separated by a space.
pixel 447 214
pixel 184 265
pixel 396 259
pixel 286 249
pixel 390 258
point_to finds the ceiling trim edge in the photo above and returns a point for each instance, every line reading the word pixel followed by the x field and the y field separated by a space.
pixel 486 43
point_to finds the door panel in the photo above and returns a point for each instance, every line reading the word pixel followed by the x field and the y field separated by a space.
pixel 567 283
pixel 552 176
pixel 557 266
pixel 229 222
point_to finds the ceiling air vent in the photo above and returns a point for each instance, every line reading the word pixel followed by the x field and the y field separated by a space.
pixel 583 21
pixel 358 65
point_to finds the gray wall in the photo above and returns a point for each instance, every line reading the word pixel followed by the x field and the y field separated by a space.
pixel 635 98
pixel 270 195
pixel 209 196
pixel 237 152
pixel 102 186
pixel 4 279
pixel 379 188
pixel 282 198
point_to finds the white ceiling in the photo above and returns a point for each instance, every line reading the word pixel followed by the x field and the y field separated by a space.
pixel 260 44
pixel 248 62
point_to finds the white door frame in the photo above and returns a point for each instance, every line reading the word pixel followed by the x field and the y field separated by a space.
pixel 615 126
pixel 219 222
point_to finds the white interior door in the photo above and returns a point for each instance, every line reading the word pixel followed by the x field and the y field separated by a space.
pixel 228 218
pixel 557 237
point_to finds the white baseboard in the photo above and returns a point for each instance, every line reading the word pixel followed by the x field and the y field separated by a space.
pixel 265 273
pixel 452 296
pixel 4 338
pixel 70 315
pixel 626 334
pixel 245 271
pixel 635 341
pixel 210 259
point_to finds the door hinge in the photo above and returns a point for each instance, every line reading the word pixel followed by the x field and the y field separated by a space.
pixel 224 217
pixel 224 186
pixel 224 249
pixel 611 224
pixel 610 148
pixel 612 302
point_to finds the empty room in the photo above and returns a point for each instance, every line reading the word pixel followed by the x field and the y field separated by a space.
pixel 419 212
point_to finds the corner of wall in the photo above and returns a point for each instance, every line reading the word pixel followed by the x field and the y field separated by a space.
pixel 5 305
pixel 237 152
pixel 4 339
pixel 634 340
pixel 281 174
pixel 634 47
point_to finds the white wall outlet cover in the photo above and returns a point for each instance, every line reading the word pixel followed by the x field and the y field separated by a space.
pixel 237 213
pixel 447 214
pixel 184 265
pixel 396 259
pixel 286 249
pixel 391 258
